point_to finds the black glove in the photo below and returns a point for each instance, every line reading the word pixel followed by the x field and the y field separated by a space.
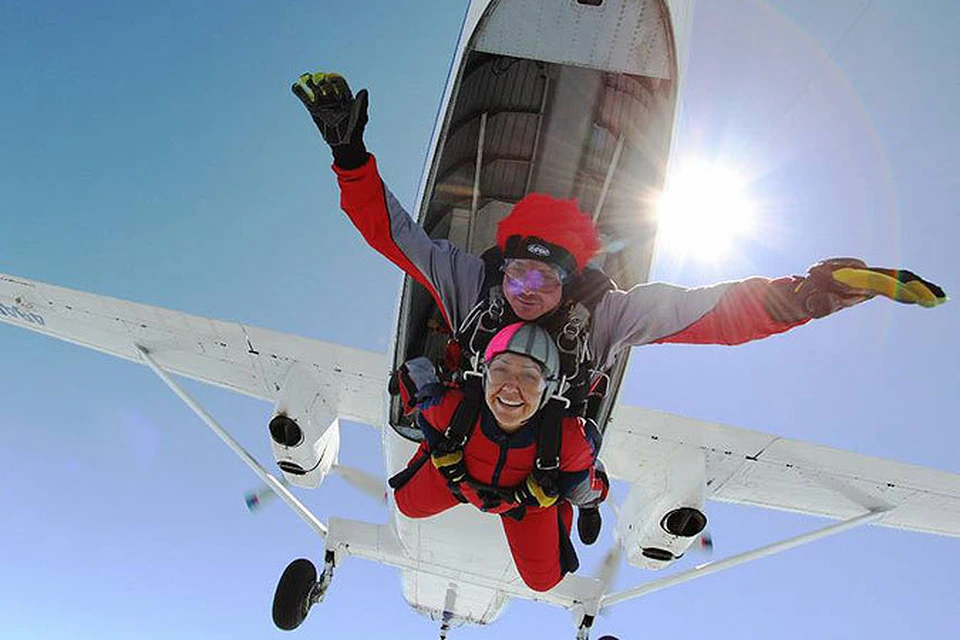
pixel 450 465
pixel 490 498
pixel 340 117
pixel 532 494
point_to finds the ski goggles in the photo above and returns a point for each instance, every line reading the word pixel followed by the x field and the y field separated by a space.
pixel 530 379
pixel 532 275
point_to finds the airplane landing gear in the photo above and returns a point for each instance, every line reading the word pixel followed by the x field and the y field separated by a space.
pixel 299 589
pixel 583 631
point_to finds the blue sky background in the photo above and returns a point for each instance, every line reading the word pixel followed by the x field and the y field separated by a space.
pixel 152 151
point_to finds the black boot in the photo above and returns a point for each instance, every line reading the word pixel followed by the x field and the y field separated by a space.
pixel 588 524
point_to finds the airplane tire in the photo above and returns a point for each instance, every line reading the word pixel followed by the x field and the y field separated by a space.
pixel 608 638
pixel 291 601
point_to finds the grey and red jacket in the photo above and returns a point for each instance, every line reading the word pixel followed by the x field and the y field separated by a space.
pixel 727 313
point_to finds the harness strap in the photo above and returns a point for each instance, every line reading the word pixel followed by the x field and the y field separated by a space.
pixel 569 326
pixel 404 475
pixel 549 440
pixel 465 416
pixel 480 325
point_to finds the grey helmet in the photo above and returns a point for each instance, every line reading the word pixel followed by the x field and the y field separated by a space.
pixel 529 340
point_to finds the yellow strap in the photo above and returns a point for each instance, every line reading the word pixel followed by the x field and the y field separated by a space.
pixel 448 459
pixel 538 493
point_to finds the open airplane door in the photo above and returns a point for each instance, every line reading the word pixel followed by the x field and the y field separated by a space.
pixel 581 105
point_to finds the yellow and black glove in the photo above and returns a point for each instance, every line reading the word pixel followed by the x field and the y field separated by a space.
pixel 837 283
pixel 897 284
pixel 339 115
pixel 450 464
pixel 532 494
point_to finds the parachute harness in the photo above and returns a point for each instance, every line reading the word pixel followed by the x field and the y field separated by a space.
pixel 570 331
pixel 483 322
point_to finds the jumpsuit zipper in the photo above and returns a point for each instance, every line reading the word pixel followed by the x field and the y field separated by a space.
pixel 501 460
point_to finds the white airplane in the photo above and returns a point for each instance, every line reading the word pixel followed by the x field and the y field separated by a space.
pixel 575 98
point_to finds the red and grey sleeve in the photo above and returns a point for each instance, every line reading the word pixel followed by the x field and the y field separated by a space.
pixel 729 313
pixel 453 277
pixel 741 314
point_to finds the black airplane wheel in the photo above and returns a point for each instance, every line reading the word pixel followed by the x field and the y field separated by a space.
pixel 291 602
pixel 608 638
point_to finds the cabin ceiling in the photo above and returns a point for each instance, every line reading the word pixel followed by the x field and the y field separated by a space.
pixel 568 131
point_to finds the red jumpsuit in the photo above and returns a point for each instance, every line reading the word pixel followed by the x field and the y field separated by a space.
pixel 539 541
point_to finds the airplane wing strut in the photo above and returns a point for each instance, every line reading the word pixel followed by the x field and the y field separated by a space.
pixel 611 599
pixel 298 507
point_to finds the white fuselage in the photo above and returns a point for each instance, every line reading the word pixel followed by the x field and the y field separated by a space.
pixel 592 58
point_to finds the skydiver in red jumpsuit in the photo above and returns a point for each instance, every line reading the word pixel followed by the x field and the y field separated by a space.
pixel 494 469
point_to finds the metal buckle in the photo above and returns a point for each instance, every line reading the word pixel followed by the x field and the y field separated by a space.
pixel 449 440
pixel 558 396
pixel 554 465
pixel 475 371
pixel 565 401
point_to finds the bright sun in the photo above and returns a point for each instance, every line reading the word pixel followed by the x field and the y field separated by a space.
pixel 703 211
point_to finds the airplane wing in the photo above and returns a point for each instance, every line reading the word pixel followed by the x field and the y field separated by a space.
pixel 749 467
pixel 244 359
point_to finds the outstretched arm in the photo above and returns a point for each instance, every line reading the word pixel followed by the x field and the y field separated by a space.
pixel 728 313
pixel 451 276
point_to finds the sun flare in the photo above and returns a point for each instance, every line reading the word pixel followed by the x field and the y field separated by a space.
pixel 703 211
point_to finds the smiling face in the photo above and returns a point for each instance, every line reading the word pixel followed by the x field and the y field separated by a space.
pixel 512 386
pixel 532 288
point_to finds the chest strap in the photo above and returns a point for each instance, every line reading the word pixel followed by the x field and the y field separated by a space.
pixel 465 416
pixel 546 469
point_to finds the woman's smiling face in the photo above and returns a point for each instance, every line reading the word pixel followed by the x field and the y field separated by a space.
pixel 513 386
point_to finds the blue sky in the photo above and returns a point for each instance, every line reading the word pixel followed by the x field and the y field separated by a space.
pixel 153 152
